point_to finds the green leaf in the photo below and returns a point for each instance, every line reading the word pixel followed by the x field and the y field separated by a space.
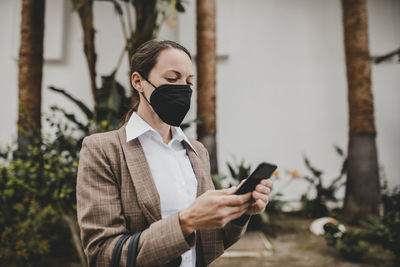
pixel 117 7
pixel 71 117
pixel 179 7
pixel 315 171
pixel 89 114
pixel 339 150
pixel 231 170
pixel 112 102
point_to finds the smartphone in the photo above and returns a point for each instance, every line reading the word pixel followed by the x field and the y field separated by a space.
pixel 263 171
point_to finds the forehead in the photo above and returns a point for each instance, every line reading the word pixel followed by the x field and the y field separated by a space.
pixel 175 59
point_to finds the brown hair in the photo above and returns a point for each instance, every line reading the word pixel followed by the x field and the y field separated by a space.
pixel 144 59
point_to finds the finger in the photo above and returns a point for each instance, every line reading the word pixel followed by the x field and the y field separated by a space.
pixel 241 208
pixel 257 207
pixel 236 200
pixel 232 217
pixel 231 190
pixel 256 195
pixel 245 197
pixel 260 205
pixel 236 214
pixel 266 182
pixel 235 211
pixel 227 191
pixel 263 189
pixel 241 182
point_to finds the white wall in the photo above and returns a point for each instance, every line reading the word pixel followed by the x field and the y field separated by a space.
pixel 281 78
pixel 282 89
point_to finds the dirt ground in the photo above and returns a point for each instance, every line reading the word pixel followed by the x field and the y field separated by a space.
pixel 294 245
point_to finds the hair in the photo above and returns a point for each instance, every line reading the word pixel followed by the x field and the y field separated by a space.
pixel 143 61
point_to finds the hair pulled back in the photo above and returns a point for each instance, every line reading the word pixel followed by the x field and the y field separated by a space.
pixel 145 58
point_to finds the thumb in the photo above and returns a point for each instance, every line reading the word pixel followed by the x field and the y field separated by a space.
pixel 231 190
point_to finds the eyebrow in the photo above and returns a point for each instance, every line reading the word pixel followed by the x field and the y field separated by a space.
pixel 178 73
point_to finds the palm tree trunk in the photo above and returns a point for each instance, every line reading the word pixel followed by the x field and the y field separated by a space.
pixel 206 78
pixel 30 65
pixel 362 186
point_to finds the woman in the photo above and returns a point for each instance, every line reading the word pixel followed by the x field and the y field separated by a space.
pixel 148 176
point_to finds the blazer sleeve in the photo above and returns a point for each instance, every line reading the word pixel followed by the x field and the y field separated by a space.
pixel 101 219
pixel 232 232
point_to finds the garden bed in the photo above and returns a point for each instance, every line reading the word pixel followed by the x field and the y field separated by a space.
pixel 294 245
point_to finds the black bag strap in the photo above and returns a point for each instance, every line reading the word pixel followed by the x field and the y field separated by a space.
pixel 132 250
pixel 116 255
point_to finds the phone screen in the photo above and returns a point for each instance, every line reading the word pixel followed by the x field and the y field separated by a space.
pixel 263 171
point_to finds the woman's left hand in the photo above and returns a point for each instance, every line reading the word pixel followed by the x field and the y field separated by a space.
pixel 260 197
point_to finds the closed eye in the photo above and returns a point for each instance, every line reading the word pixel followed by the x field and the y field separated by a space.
pixel 172 80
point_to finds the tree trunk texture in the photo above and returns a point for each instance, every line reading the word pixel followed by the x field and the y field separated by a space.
pixel 206 78
pixel 362 185
pixel 145 28
pixel 30 67
pixel 85 12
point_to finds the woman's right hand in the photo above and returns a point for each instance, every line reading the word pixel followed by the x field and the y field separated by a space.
pixel 214 209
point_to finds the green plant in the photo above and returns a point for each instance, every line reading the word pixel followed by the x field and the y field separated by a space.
pixel 386 230
pixel 149 16
pixel 350 243
pixel 37 188
pixel 317 206
pixel 275 204
pixel 332 234
pixel 26 236
pixel 111 105
pixel 238 172
pixel 110 100
pixel 353 246
pixel 37 197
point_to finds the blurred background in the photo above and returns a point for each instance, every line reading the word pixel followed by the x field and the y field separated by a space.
pixel 311 85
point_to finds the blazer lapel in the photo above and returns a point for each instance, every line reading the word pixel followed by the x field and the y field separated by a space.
pixel 197 169
pixel 142 179
pixel 147 194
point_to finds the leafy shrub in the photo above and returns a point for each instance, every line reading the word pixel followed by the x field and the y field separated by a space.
pixel 37 192
pixel 353 246
pixel 386 230
pixel 317 206
pixel 350 243
pixel 26 235
pixel 332 234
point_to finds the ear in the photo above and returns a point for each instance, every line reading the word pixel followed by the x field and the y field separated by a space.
pixel 136 81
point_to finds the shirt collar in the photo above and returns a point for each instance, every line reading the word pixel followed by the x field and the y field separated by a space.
pixel 136 126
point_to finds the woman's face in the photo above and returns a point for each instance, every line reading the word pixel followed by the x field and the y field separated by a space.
pixel 173 67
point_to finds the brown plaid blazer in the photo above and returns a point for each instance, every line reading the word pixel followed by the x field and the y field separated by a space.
pixel 116 194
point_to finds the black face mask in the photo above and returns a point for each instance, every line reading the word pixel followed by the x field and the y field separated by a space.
pixel 171 102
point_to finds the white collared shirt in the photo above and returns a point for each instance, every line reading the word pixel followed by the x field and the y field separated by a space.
pixel 171 170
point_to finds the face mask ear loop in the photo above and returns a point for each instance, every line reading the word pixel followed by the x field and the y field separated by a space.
pixel 142 92
pixel 155 87
pixel 145 98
